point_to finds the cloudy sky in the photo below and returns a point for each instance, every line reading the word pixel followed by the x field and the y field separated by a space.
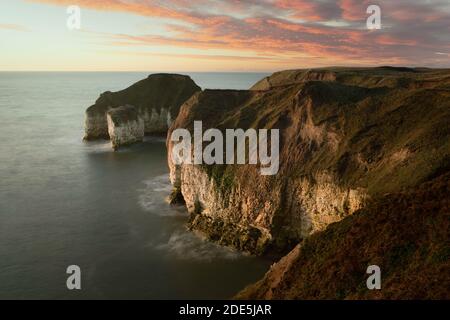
pixel 214 35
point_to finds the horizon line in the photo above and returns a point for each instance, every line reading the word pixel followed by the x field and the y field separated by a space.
pixel 221 71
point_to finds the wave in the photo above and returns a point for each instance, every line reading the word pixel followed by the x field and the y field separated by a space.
pixel 102 146
pixel 152 197
pixel 181 244
pixel 184 245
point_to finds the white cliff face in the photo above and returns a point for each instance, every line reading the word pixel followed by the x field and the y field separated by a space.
pixel 96 126
pixel 291 209
pixel 124 130
pixel 129 133
pixel 316 204
pixel 99 125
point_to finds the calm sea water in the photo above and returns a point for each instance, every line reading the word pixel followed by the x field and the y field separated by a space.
pixel 65 202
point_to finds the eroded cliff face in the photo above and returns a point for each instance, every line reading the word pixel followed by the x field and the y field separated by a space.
pixel 125 126
pixel 156 121
pixel 157 100
pixel 341 145
pixel 95 125
pixel 256 216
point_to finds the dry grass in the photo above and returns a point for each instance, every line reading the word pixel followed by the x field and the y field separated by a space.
pixel 407 234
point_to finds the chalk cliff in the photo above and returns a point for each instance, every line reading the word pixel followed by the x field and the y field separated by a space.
pixel 348 136
pixel 157 100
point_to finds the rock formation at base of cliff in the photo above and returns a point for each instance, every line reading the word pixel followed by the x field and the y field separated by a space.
pixel 406 234
pixel 346 136
pixel 157 100
pixel 125 126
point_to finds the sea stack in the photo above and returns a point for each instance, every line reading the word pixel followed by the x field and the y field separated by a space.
pixel 125 126
pixel 156 101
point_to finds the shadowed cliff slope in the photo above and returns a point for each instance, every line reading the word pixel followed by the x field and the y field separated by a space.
pixel 347 135
pixel 407 234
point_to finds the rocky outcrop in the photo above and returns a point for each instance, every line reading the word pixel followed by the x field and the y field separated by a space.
pixel 125 126
pixel 157 100
pixel 96 125
pixel 347 136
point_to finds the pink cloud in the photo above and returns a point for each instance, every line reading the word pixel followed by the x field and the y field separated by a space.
pixel 413 31
pixel 354 10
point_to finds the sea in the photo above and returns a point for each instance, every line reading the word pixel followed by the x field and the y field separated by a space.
pixel 66 202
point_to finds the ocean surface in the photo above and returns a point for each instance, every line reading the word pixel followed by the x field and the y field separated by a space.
pixel 67 202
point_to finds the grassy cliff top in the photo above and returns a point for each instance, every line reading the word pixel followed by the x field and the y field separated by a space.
pixel 366 77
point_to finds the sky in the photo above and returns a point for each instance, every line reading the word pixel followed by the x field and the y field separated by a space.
pixel 215 35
